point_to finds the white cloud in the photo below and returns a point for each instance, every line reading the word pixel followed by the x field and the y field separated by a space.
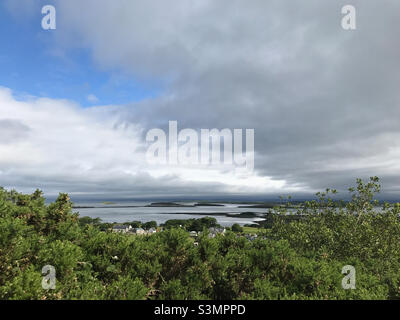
pixel 58 146
pixel 92 98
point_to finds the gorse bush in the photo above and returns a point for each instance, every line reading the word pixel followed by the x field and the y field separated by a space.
pixel 299 256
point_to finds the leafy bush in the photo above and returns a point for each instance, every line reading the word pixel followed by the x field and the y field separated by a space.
pixel 299 256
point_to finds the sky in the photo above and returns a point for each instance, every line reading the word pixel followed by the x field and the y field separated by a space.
pixel 76 102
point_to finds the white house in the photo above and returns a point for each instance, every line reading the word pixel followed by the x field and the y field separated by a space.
pixel 121 228
pixel 193 234
pixel 139 231
pixel 214 231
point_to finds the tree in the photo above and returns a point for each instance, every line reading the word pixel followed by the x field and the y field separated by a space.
pixel 150 224
pixel 237 228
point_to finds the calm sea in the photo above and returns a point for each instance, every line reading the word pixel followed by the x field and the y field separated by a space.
pixel 108 213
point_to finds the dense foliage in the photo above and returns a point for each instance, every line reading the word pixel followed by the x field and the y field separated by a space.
pixel 292 259
pixel 192 224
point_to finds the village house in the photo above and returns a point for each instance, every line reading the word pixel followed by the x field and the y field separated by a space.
pixel 139 231
pixel 215 231
pixel 193 234
pixel 121 228
pixel 251 237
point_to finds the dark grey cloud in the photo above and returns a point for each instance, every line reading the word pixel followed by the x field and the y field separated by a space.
pixel 314 93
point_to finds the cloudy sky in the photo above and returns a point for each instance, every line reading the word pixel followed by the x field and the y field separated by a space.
pixel 76 102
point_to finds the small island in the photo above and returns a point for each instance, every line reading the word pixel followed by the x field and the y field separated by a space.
pixel 108 202
pixel 260 206
pixel 167 204
pixel 205 204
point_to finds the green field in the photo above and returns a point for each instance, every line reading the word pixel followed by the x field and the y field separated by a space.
pixel 250 230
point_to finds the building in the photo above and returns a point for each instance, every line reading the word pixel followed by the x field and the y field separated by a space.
pixel 251 237
pixel 193 234
pixel 121 228
pixel 215 231
pixel 139 231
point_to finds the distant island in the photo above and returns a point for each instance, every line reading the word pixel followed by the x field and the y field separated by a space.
pixel 261 206
pixel 167 204
pixel 173 204
pixel 108 202
pixel 243 215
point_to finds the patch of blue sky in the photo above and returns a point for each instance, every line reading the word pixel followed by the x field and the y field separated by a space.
pixel 29 67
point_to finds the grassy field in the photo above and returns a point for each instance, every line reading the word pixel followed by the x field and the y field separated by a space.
pixel 250 230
